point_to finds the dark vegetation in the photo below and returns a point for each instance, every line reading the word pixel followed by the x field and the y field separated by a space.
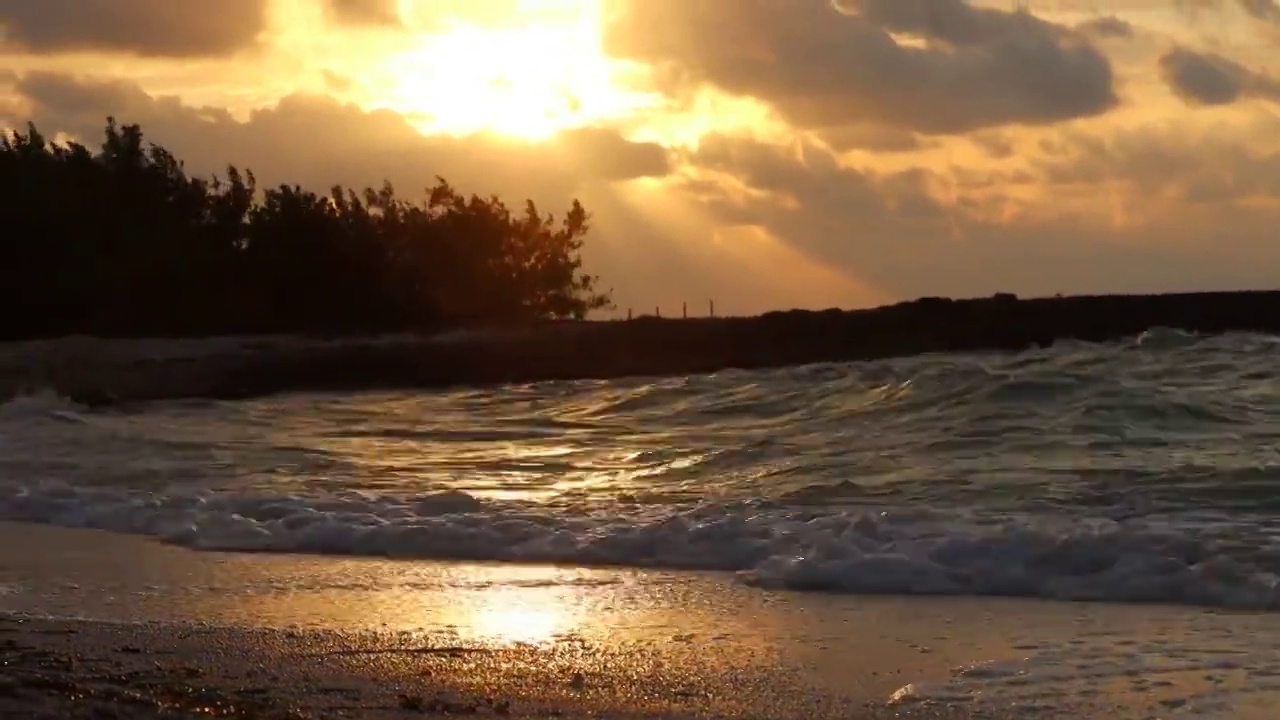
pixel 123 242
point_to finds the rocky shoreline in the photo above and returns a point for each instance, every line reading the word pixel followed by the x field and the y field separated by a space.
pixel 642 347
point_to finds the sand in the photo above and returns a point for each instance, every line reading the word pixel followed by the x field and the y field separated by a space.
pixel 169 632
pixel 76 669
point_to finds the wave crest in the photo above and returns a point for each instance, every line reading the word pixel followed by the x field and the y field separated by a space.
pixel 777 547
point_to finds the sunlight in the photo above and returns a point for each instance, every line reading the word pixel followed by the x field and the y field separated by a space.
pixel 532 625
pixel 520 604
pixel 779 273
pixel 536 75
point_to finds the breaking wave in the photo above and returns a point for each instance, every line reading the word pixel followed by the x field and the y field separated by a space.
pixel 1137 471
pixel 921 552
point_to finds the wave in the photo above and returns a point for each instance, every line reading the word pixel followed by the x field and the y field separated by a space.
pixel 1135 471
pixel 767 545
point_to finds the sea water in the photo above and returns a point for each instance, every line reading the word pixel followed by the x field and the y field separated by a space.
pixel 1143 470
pixel 1137 471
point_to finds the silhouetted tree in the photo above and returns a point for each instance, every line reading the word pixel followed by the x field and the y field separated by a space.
pixel 124 242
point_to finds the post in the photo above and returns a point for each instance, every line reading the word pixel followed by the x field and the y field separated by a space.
pixel 657 311
pixel 684 310
pixel 712 305
pixel 628 313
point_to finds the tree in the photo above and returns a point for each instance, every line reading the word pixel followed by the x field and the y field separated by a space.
pixel 122 241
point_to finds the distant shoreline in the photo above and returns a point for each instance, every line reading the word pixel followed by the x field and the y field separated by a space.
pixel 645 346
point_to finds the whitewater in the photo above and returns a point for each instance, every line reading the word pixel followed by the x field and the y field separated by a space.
pixel 1138 471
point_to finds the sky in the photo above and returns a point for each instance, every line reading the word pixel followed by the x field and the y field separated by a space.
pixel 767 154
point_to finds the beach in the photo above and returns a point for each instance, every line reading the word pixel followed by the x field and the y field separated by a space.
pixel 836 359
pixel 1080 531
pixel 100 625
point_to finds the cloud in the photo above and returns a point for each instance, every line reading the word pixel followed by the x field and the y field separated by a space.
pixel 614 158
pixel 317 141
pixel 873 138
pixel 1108 27
pixel 1201 78
pixel 366 12
pixel 1169 169
pixel 822 65
pixel 1267 10
pixel 162 28
pixel 931 147
pixel 1264 10
pixel 759 225
pixel 1137 211
pixel 641 245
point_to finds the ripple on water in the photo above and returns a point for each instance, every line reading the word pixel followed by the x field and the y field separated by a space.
pixel 1170 429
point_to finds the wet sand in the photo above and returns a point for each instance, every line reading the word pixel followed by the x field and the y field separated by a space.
pixel 78 669
pixel 176 633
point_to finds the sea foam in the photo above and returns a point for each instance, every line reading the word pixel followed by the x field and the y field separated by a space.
pixel 1139 471
pixel 768 546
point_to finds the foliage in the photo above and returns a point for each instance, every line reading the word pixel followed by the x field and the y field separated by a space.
pixel 124 242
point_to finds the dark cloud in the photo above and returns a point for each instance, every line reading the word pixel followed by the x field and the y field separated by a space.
pixel 1267 10
pixel 825 65
pixel 1202 171
pixel 365 12
pixel 168 28
pixel 873 138
pixel 611 157
pixel 951 21
pixel 1201 78
pixel 1264 12
pixel 1108 27
pixel 994 143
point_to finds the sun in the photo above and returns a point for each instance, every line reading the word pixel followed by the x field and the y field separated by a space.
pixel 541 71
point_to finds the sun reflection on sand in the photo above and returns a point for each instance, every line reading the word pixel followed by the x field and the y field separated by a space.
pixel 661 641
pixel 486 604
pixel 496 620
pixel 520 604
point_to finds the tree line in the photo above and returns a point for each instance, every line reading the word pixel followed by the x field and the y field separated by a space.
pixel 123 242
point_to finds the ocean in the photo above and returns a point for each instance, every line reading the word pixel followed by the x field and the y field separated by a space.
pixel 1139 471
pixel 901 533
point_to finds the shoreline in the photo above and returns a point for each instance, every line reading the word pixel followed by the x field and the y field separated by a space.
pixel 90 371
pixel 179 631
